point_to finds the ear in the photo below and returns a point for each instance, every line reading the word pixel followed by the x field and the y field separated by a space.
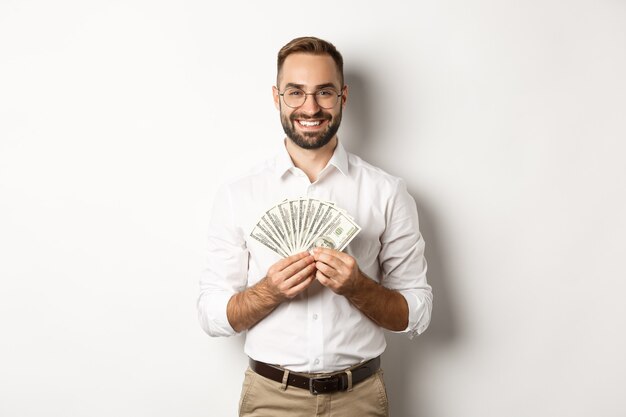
pixel 344 96
pixel 276 97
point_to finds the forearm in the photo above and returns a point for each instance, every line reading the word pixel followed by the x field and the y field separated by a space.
pixel 285 280
pixel 385 307
pixel 247 308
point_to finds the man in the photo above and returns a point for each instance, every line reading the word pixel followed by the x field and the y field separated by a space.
pixel 315 321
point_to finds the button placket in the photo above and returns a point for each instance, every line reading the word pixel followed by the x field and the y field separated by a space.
pixel 315 333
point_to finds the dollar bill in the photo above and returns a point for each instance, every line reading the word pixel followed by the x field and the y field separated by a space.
pixel 262 237
pixel 285 214
pixel 299 224
pixel 337 234
pixel 281 229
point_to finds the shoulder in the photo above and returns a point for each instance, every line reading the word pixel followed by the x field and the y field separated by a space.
pixel 390 191
pixel 365 171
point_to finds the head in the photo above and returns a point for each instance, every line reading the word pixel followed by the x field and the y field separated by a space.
pixel 313 66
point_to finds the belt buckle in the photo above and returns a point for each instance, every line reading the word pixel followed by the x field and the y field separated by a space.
pixel 340 383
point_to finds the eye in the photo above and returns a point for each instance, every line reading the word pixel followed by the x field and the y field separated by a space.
pixel 294 92
pixel 326 93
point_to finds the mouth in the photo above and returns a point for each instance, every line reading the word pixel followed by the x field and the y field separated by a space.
pixel 311 124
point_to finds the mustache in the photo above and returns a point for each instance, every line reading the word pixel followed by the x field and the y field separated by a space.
pixel 319 115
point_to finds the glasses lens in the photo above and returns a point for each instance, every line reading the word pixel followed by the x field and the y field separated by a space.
pixel 294 97
pixel 326 98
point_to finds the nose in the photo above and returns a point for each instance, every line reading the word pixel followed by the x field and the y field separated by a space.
pixel 310 105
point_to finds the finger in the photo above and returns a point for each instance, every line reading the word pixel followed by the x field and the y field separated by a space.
pixel 326 269
pixel 297 266
pixel 328 251
pixel 297 289
pixel 324 280
pixel 330 260
pixel 285 262
pixel 300 276
pixel 342 256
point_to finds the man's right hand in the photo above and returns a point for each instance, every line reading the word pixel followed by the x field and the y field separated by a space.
pixel 290 276
pixel 285 279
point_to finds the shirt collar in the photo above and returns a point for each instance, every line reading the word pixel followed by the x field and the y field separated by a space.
pixel 283 162
pixel 339 160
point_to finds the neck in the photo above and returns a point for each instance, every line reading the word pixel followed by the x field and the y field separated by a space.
pixel 311 161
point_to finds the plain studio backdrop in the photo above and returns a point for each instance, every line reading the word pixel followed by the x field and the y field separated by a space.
pixel 119 120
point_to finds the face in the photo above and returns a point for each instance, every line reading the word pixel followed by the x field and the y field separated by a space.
pixel 310 126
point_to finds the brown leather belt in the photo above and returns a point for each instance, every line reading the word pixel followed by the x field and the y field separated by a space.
pixel 330 383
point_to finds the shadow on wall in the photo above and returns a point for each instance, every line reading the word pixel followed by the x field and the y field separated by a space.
pixel 403 357
pixel 356 123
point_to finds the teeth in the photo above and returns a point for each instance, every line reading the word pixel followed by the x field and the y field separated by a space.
pixel 306 123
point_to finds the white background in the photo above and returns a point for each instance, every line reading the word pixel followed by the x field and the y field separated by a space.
pixel 119 119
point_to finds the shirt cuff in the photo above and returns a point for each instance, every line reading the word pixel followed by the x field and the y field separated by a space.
pixel 212 314
pixel 418 317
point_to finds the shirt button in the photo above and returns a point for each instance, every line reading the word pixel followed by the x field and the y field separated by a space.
pixel 316 361
pixel 314 316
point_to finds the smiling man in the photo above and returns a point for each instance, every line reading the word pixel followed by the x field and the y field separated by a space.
pixel 310 123
pixel 315 321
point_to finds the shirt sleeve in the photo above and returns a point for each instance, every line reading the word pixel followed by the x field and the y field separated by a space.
pixel 402 259
pixel 226 267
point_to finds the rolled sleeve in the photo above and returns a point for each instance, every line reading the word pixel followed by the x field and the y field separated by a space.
pixel 402 260
pixel 226 268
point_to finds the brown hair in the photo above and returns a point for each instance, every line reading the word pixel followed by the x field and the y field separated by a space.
pixel 310 45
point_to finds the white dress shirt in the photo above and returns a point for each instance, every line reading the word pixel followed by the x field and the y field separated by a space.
pixel 318 331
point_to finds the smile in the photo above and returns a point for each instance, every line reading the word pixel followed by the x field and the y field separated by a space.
pixel 310 123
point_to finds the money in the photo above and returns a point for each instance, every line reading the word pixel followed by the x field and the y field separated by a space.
pixel 301 224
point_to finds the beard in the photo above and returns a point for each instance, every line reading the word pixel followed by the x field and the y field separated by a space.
pixel 311 140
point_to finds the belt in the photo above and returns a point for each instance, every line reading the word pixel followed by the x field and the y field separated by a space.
pixel 318 385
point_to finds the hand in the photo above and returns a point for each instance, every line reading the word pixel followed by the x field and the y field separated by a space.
pixel 290 276
pixel 337 271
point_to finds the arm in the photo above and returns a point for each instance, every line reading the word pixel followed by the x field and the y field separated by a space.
pixel 403 299
pixel 225 305
pixel 385 307
pixel 340 272
pixel 226 269
pixel 402 259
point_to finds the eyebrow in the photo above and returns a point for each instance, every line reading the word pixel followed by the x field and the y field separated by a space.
pixel 317 87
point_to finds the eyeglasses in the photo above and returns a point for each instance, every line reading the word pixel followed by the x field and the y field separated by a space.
pixel 326 98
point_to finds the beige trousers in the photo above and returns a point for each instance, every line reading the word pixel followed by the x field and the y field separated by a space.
pixel 262 397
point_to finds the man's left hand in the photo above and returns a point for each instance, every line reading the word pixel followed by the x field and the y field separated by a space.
pixel 337 271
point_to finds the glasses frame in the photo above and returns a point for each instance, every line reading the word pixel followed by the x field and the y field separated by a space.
pixel 310 94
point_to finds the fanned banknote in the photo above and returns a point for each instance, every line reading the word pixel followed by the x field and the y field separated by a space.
pixel 301 224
